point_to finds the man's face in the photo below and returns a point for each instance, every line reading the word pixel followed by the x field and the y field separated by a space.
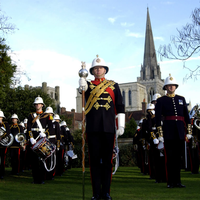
pixel 170 88
pixel 38 106
pixel 99 72
pixel 14 120
pixel 1 119
pixel 154 102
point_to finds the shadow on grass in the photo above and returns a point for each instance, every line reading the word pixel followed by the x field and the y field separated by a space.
pixel 128 183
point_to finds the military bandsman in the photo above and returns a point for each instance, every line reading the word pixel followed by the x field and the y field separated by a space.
pixel 174 109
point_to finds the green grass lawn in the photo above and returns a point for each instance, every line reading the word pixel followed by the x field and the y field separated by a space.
pixel 127 184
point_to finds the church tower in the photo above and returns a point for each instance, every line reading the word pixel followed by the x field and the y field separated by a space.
pixel 150 74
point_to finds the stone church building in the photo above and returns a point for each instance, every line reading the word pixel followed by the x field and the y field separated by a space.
pixel 136 93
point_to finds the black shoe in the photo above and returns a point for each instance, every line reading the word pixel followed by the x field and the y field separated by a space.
pixel 107 197
pixel 170 186
pixel 34 182
pixel 95 197
pixel 157 181
pixel 180 185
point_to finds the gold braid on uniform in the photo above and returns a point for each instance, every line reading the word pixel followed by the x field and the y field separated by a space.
pixel 30 134
pixel 160 132
pixel 17 127
pixel 153 135
pixel 189 129
pixel 58 143
pixel 96 93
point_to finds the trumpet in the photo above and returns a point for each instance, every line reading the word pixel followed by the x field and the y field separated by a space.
pixel 5 140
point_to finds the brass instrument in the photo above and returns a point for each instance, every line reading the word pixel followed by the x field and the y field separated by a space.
pixel 194 142
pixel 195 123
pixel 21 138
pixel 7 140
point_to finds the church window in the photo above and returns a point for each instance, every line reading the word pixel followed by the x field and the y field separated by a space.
pixel 151 93
pixel 123 97
pixel 129 97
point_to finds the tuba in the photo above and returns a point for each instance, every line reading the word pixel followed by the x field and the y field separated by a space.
pixel 7 140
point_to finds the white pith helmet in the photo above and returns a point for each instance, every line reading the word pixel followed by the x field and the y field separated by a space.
pixel 170 81
pixel 25 121
pixel 150 106
pixel 38 100
pixel 63 123
pixel 155 97
pixel 1 114
pixel 22 124
pixel 49 110
pixel 14 116
pixel 56 117
pixel 98 62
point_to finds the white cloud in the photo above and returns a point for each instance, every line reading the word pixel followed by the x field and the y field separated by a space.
pixel 55 69
pixel 131 34
pixel 123 68
pixel 168 2
pixel 158 38
pixel 125 24
pixel 112 20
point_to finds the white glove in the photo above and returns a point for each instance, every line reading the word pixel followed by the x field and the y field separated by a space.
pixel 189 136
pixel 83 84
pixel 42 134
pixel 33 141
pixel 161 139
pixel 120 131
pixel 155 141
pixel 153 112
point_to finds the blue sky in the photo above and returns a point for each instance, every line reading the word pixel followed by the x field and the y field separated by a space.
pixel 54 36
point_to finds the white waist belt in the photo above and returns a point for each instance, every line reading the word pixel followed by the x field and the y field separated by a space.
pixel 52 136
pixel 37 129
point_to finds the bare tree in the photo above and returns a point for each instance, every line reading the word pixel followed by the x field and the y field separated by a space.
pixel 8 28
pixel 187 44
pixel 5 26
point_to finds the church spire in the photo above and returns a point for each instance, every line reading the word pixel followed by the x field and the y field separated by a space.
pixel 150 68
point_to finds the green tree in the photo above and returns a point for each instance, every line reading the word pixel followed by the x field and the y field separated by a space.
pixel 67 119
pixel 7 70
pixel 20 101
pixel 130 129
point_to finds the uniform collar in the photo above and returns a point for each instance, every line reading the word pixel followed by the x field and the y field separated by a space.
pixel 15 124
pixel 98 80
pixel 39 112
pixel 171 95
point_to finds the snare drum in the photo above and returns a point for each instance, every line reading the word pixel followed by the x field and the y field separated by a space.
pixel 43 148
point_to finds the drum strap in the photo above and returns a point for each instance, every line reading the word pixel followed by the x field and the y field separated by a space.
pixel 39 123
